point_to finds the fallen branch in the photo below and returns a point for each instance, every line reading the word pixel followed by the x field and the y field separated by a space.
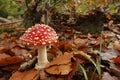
pixel 4 20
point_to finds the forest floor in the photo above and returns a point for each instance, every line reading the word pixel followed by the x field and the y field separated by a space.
pixel 76 56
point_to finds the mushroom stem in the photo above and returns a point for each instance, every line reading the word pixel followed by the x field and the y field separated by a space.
pixel 42 57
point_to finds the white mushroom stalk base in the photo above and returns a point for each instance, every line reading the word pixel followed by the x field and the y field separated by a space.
pixel 42 57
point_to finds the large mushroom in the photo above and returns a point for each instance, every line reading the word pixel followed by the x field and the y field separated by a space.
pixel 40 35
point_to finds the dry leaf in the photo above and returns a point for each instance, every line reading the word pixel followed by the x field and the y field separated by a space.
pixel 26 75
pixel 21 52
pixel 4 35
pixel 116 45
pixel 2 79
pixel 8 60
pixel 116 60
pixel 3 48
pixel 74 69
pixel 108 54
pixel 12 67
pixel 80 41
pixel 107 76
pixel 59 69
pixel 60 65
pixel 115 69
pixel 42 75
pixel 60 60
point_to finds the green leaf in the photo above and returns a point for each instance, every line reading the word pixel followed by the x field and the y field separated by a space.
pixel 84 72
pixel 88 57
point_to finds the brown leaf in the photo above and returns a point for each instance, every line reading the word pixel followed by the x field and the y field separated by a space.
pixel 12 67
pixel 3 55
pixel 60 65
pixel 42 75
pixel 4 35
pixel 80 41
pixel 8 43
pixel 63 59
pixel 116 60
pixel 21 52
pixel 2 79
pixel 3 48
pixel 115 69
pixel 26 75
pixel 110 53
pixel 74 69
pixel 116 45
pixel 69 46
pixel 59 69
pixel 61 44
pixel 107 76
pixel 7 60
pixel 94 75
pixel 81 58
pixel 55 51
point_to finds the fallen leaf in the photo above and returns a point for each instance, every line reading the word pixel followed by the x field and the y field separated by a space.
pixel 61 65
pixel 21 52
pixel 54 51
pixel 107 76
pixel 4 35
pixel 116 60
pixel 80 41
pixel 81 58
pixel 42 75
pixel 8 43
pixel 2 79
pixel 3 55
pixel 26 75
pixel 68 46
pixel 12 67
pixel 59 69
pixel 116 45
pixel 108 54
pixel 94 75
pixel 60 60
pixel 74 69
pixel 115 69
pixel 8 60
pixel 3 48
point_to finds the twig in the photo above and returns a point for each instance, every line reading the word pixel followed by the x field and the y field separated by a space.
pixel 4 20
pixel 1 24
pixel 47 5
pixel 55 3
pixel 26 3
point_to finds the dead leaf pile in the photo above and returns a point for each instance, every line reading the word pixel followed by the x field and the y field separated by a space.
pixel 19 59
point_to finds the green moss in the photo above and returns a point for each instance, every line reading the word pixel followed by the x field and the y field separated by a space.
pixel 8 30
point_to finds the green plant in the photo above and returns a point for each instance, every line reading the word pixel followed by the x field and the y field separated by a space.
pixel 8 30
pixel 10 7
pixel 84 71
pixel 88 57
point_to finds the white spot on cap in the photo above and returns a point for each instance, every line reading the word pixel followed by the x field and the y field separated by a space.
pixel 43 43
pixel 38 31
pixel 48 29
pixel 28 43
pixel 36 38
pixel 49 42
pixel 33 32
pixel 35 44
pixel 44 33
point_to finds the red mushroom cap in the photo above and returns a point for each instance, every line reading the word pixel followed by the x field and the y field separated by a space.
pixel 39 34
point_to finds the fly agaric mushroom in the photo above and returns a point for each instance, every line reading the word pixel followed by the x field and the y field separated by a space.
pixel 40 35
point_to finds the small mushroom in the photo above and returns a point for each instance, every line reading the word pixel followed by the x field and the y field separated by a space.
pixel 40 35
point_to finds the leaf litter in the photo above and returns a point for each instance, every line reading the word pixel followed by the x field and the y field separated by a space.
pixel 64 64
